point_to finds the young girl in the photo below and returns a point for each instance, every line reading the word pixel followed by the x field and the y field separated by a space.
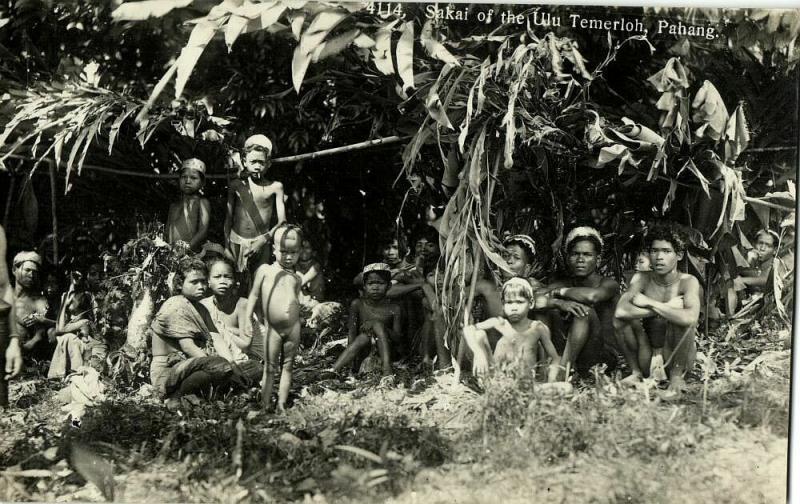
pixel 519 336
pixel 227 311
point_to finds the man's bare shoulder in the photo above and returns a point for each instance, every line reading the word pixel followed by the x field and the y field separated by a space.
pixel 609 282
pixel 688 281
pixel 556 283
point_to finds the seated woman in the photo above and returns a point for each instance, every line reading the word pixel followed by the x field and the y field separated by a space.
pixel 78 342
pixel 182 340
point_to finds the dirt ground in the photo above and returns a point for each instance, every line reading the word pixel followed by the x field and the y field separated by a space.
pixel 426 439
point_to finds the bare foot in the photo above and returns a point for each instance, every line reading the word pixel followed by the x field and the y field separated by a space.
pixel 632 380
pixel 281 409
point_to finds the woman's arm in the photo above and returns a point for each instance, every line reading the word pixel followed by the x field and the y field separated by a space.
pixel 190 348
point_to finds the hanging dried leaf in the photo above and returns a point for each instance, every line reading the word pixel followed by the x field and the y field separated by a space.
pixel 234 28
pixel 405 56
pixel 689 165
pixel 382 52
pixel 709 109
pixel 271 14
pixel 300 61
pixel 433 47
pixel 319 28
pixel 673 186
pixel 737 135
pixel 671 78
pixel 198 40
pixel 335 45
pixel 477 165
pixel 139 11
pixel 436 110
pixel 297 25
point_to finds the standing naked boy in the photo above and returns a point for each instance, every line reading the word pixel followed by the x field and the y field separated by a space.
pixel 252 202
pixel 520 336
pixel 189 216
pixel 373 319
pixel 667 304
pixel 579 307
pixel 278 287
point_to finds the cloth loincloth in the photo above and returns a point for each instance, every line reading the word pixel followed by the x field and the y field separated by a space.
pixel 243 248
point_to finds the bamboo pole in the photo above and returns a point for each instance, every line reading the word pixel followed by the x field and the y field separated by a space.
pixel 53 203
pixel 339 150
pixel 287 159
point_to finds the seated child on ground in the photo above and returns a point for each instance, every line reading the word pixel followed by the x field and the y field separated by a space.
pixel 277 285
pixel 189 216
pixel 373 319
pixel 519 336
pixel 310 271
pixel 78 342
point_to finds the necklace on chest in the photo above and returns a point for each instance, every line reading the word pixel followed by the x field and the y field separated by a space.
pixel 666 284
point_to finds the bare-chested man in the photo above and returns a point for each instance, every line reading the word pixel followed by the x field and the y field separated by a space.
pixel 31 305
pixel 189 217
pixel 278 287
pixel 579 307
pixel 252 202
pixel 667 304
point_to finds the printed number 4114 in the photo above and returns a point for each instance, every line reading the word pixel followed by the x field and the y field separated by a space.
pixel 385 9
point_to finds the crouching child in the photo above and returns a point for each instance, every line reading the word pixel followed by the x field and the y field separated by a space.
pixel 373 320
pixel 519 336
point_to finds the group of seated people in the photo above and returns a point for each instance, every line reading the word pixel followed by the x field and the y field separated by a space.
pixel 208 336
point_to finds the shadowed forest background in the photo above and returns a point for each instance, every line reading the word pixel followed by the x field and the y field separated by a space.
pixel 513 129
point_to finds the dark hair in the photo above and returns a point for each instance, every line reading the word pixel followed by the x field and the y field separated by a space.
pixel 384 275
pixel 185 266
pixel 289 227
pixel 84 308
pixel 385 239
pixel 432 265
pixel 526 248
pixel 667 233
pixel 219 258
pixel 428 233
pixel 591 239
pixel 772 234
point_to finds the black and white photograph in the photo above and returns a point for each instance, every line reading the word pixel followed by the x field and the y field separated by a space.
pixel 404 252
